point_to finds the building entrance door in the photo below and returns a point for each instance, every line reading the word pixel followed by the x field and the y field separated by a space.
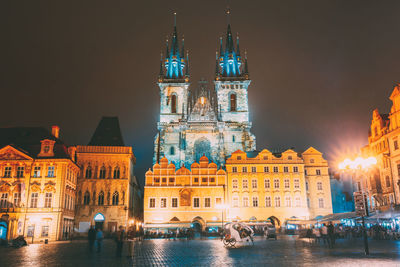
pixel 99 221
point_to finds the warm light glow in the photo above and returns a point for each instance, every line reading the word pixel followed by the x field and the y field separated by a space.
pixel 358 163
pixel 202 100
pixel 221 206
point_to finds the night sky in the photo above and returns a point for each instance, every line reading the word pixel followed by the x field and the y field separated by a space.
pixel 318 68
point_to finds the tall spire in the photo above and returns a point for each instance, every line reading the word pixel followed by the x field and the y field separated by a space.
pixel 221 50
pixel 237 45
pixel 183 46
pixel 216 64
pixel 175 58
pixel 230 61
pixel 161 66
pixel 167 46
pixel 187 64
pixel 246 67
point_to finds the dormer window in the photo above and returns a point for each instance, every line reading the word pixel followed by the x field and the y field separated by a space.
pixel 47 148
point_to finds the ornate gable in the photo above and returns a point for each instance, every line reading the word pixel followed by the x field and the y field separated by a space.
pixel 11 153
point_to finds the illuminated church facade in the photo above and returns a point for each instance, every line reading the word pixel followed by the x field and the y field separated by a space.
pixel 203 122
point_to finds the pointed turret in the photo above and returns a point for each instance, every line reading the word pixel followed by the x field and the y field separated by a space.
pixel 175 62
pixel 161 67
pixel 229 48
pixel 246 67
pixel 221 50
pixel 187 74
pixel 237 45
pixel 230 60
pixel 216 64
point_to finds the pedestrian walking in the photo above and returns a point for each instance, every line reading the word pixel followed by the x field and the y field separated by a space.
pixel 324 233
pixel 316 234
pixel 120 240
pixel 99 240
pixel 331 234
pixel 91 238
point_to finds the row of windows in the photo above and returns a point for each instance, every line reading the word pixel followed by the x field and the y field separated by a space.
pixel 232 86
pixel 171 180
pixel 266 168
pixel 48 199
pixel 267 203
pixel 100 198
pixel 267 183
pixel 235 202
pixel 275 169
pixel 174 202
pixel 44 232
pixel 89 173
pixel 21 170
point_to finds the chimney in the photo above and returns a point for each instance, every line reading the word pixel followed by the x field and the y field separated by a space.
pixel 55 131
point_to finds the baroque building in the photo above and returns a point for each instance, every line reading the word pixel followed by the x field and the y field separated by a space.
pixel 256 187
pixel 38 176
pixel 182 198
pixel 108 192
pixel 383 181
pixel 201 121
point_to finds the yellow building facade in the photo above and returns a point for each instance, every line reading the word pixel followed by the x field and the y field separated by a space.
pixel 182 198
pixel 37 184
pixel 266 187
pixel 108 194
pixel 278 187
pixel 383 181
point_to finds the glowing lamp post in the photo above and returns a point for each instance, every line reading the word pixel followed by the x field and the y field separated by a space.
pixel 361 205
pixel 222 207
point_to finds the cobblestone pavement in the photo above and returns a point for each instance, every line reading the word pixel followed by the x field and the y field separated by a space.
pixel 286 251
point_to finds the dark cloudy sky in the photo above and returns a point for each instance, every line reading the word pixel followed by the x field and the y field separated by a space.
pixel 318 68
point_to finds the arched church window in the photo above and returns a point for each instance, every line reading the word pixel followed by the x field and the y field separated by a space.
pixel 102 174
pixel 100 201
pixel 86 198
pixel 116 173
pixel 173 104
pixel 115 198
pixel 88 173
pixel 233 102
pixel 172 150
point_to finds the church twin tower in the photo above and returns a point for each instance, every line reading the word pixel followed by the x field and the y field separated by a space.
pixel 201 121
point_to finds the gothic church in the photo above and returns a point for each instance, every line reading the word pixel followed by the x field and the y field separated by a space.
pixel 201 121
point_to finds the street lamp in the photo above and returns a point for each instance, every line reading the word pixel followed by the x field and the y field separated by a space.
pixel 222 207
pixel 360 164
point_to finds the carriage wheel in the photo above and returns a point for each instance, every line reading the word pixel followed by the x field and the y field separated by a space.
pixel 232 242
pixel 226 242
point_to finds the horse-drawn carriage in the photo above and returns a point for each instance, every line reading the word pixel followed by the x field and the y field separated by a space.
pixel 237 232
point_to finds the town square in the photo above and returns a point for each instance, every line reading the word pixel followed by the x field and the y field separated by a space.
pixel 200 133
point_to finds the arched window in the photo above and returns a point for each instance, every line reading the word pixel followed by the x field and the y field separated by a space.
pixel 116 173
pixel 88 173
pixel 86 198
pixel 102 174
pixel 233 102
pixel 100 201
pixel 172 150
pixel 173 104
pixel 115 198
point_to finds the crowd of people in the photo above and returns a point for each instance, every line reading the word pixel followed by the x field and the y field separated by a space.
pixel 96 238
pixel 328 233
